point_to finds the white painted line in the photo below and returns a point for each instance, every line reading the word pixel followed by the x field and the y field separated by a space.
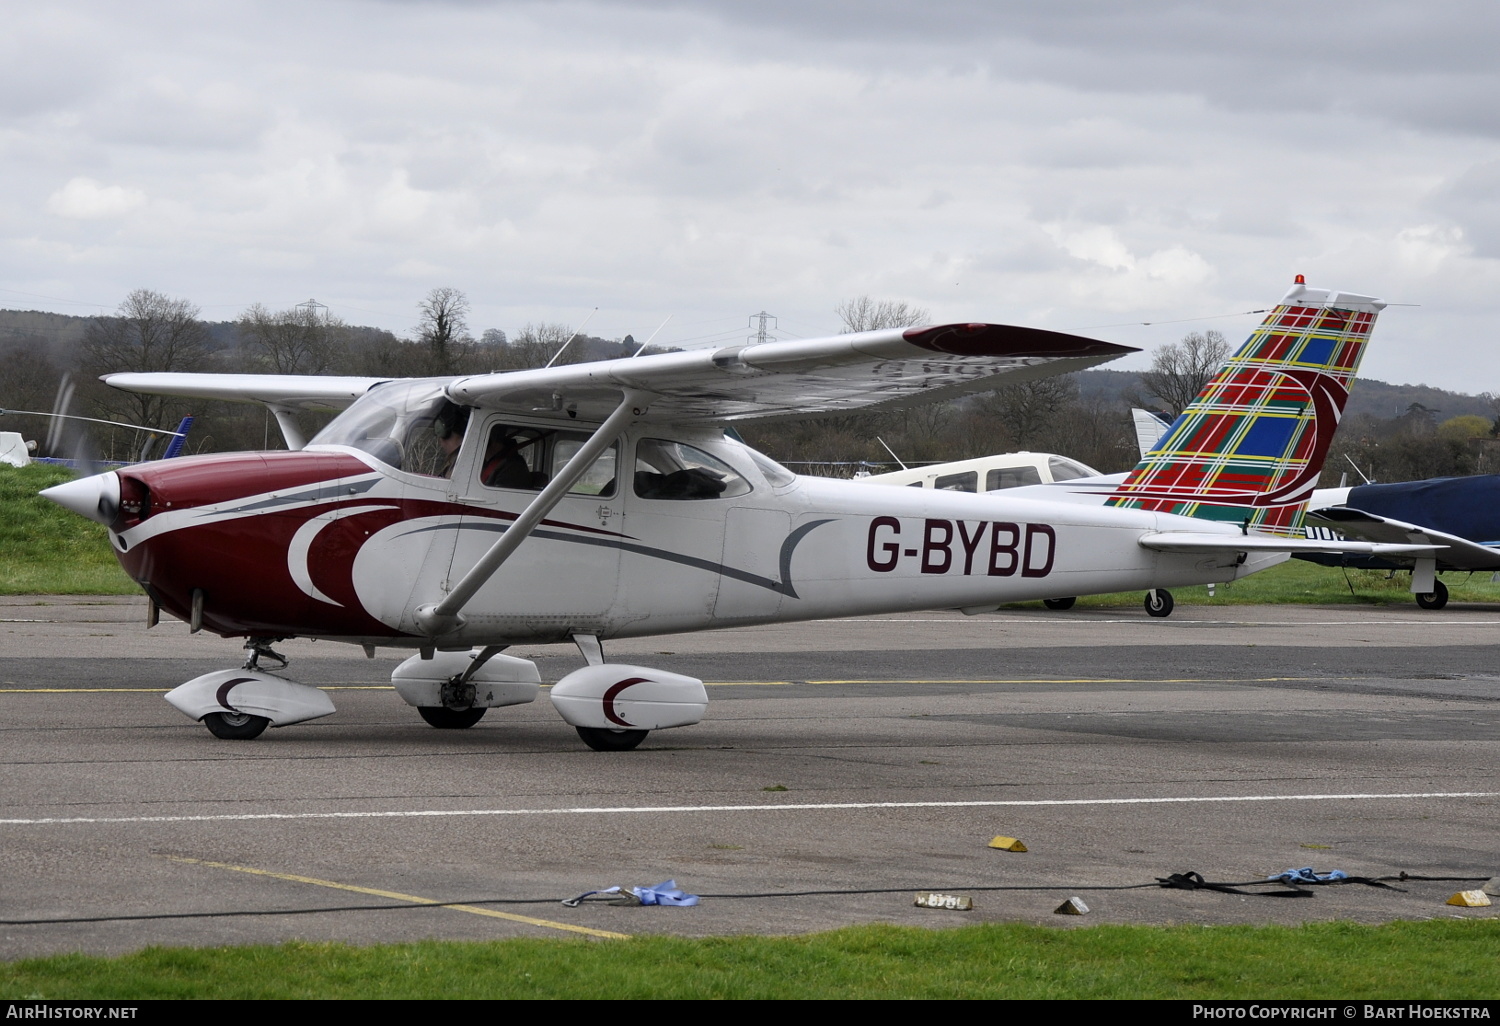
pixel 661 809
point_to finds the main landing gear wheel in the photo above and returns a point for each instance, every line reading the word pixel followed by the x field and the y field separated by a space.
pixel 235 726
pixel 1437 598
pixel 1063 603
pixel 443 718
pixel 1159 602
pixel 601 739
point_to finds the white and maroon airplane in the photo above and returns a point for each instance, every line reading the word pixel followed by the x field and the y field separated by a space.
pixel 458 516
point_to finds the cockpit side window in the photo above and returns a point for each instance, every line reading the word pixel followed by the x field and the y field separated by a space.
pixel 527 458
pixel 411 426
pixel 674 470
pixel 1064 469
pixel 432 442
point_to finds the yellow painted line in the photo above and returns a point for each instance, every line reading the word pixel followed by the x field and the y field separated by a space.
pixel 397 896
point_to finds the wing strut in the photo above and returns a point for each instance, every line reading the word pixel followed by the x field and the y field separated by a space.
pixel 444 617
pixel 286 419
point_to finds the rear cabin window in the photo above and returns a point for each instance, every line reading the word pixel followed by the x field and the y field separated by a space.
pixel 673 470
pixel 1011 477
pixel 527 458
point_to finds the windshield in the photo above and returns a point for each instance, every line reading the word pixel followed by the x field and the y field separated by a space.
pixel 410 425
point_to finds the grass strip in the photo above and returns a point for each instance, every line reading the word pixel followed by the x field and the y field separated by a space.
pixel 1299 582
pixel 1446 958
pixel 48 550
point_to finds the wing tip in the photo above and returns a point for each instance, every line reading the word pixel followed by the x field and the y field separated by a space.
pixel 977 339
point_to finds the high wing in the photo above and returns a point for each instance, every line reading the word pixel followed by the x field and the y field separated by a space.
pixel 294 391
pixel 889 369
pixel 283 394
pixel 875 369
pixel 1457 552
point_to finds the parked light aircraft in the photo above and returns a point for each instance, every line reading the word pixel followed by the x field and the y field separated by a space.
pixel 1457 513
pixel 458 516
pixel 987 473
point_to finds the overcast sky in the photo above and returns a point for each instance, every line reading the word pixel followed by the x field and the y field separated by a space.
pixel 1077 166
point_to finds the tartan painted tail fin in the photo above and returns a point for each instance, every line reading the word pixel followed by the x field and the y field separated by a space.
pixel 1250 448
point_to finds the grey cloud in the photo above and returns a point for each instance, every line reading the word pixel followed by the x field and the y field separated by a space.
pixel 1472 201
pixel 1413 64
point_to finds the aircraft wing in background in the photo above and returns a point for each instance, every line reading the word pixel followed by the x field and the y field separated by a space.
pixel 295 391
pixel 1458 553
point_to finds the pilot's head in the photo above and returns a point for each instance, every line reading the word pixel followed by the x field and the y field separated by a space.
pixel 451 420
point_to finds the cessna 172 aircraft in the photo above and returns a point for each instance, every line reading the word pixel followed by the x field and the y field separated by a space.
pixel 458 516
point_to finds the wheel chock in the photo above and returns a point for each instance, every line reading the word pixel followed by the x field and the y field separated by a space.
pixel 1074 906
pixel 1492 887
pixel 1470 899
pixel 951 902
pixel 1007 844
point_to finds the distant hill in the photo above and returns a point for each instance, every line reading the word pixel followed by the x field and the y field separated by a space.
pixel 1378 399
pixel 61 334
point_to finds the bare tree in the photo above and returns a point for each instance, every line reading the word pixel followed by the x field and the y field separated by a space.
pixel 1180 370
pixel 444 328
pixel 536 344
pixel 28 381
pixel 151 332
pixel 295 341
pixel 865 314
pixel 1027 409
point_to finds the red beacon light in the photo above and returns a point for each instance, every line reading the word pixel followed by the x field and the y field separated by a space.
pixel 1300 280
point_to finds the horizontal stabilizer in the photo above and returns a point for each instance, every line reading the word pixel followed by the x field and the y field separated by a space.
pixel 1187 541
pixel 1459 553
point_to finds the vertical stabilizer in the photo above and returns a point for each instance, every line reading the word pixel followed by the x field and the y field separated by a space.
pixel 179 440
pixel 1250 448
pixel 1150 428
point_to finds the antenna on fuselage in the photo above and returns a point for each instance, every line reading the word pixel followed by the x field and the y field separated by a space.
pixel 571 337
pixel 1361 473
pixel 646 343
pixel 892 452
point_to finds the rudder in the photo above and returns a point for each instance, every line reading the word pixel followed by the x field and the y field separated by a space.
pixel 1250 448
